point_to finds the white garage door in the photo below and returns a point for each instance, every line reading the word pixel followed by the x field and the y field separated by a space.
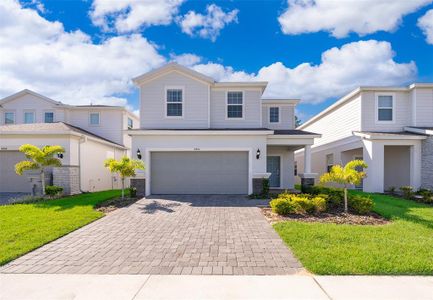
pixel 199 172
pixel 9 180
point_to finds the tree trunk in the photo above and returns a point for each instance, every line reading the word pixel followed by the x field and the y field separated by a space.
pixel 43 181
pixel 123 188
pixel 346 208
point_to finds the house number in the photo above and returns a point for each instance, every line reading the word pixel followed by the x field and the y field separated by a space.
pixel 196 149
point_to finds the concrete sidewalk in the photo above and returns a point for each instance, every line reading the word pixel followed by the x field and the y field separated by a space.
pixel 54 286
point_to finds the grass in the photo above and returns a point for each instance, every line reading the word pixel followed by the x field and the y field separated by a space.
pixel 25 227
pixel 402 247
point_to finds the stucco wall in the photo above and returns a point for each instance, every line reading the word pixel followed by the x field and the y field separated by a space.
pixel 287 165
pixel 397 166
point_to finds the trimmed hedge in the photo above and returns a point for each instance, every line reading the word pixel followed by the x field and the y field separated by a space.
pixel 297 204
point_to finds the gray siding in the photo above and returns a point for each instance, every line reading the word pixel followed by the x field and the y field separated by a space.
pixel 252 110
pixel 287 116
pixel 152 106
pixel 402 107
pixel 424 107
pixel 427 163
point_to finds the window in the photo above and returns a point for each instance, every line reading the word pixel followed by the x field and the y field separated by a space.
pixel 274 114
pixel 130 123
pixel 385 105
pixel 9 118
pixel 234 105
pixel 329 162
pixel 295 169
pixel 29 117
pixel 49 117
pixel 94 118
pixel 174 102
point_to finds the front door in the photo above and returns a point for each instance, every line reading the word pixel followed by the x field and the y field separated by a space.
pixel 273 167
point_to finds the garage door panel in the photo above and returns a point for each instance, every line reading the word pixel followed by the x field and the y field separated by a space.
pixel 9 180
pixel 199 172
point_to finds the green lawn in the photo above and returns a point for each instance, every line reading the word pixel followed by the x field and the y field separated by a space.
pixel 404 246
pixel 24 227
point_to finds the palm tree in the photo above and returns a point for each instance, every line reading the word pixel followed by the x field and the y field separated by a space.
pixel 346 176
pixel 41 158
pixel 125 167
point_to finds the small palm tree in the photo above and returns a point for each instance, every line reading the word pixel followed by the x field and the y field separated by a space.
pixel 346 176
pixel 41 158
pixel 125 167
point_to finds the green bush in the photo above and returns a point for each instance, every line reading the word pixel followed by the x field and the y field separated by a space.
pixel 407 192
pixel 53 190
pixel 334 196
pixel 298 204
pixel 427 195
pixel 132 192
pixel 360 205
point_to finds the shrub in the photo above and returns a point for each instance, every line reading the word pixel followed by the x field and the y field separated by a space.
pixel 298 204
pixel 407 191
pixel 391 190
pixel 334 196
pixel 132 192
pixel 360 205
pixel 427 195
pixel 265 187
pixel 53 190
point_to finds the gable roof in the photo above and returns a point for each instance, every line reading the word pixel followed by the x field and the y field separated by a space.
pixel 29 92
pixel 170 67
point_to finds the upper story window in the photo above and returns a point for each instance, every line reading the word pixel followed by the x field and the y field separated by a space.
pixel 49 117
pixel 174 102
pixel 274 114
pixel 9 117
pixel 130 123
pixel 385 108
pixel 94 119
pixel 29 117
pixel 235 105
pixel 329 162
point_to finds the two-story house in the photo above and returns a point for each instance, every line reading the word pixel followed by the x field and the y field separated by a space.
pixel 199 136
pixel 390 128
pixel 89 133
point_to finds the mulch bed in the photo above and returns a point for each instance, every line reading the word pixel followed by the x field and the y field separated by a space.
pixel 113 204
pixel 336 218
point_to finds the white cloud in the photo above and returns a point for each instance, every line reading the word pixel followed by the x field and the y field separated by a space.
pixel 131 15
pixel 207 26
pixel 426 25
pixel 186 59
pixel 67 66
pixel 341 69
pixel 342 17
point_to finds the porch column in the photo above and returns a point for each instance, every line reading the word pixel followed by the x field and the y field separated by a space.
pixel 373 154
pixel 307 178
pixel 415 165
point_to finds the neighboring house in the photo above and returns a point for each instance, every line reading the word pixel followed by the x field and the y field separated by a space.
pixel 199 136
pixel 390 128
pixel 89 134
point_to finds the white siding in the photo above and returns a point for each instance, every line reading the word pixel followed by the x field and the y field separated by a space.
pixel 252 109
pixel 402 107
pixel 110 127
pixel 195 103
pixel 424 107
pixel 31 103
pixel 287 116
pixel 339 123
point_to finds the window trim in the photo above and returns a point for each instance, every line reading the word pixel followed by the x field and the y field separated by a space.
pixel 12 112
pixel 127 123
pixel 279 114
pixel 377 121
pixel 49 111
pixel 328 166
pixel 99 118
pixel 227 105
pixel 26 112
pixel 174 87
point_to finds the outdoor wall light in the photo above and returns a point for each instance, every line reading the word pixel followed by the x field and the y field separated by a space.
pixel 60 155
pixel 138 154
pixel 258 154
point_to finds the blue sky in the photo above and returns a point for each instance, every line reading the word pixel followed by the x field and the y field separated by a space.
pixel 246 45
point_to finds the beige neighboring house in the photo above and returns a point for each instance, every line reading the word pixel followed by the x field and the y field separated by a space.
pixel 89 133
pixel 200 136
pixel 390 128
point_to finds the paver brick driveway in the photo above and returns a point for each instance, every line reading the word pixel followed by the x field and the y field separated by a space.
pixel 169 235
